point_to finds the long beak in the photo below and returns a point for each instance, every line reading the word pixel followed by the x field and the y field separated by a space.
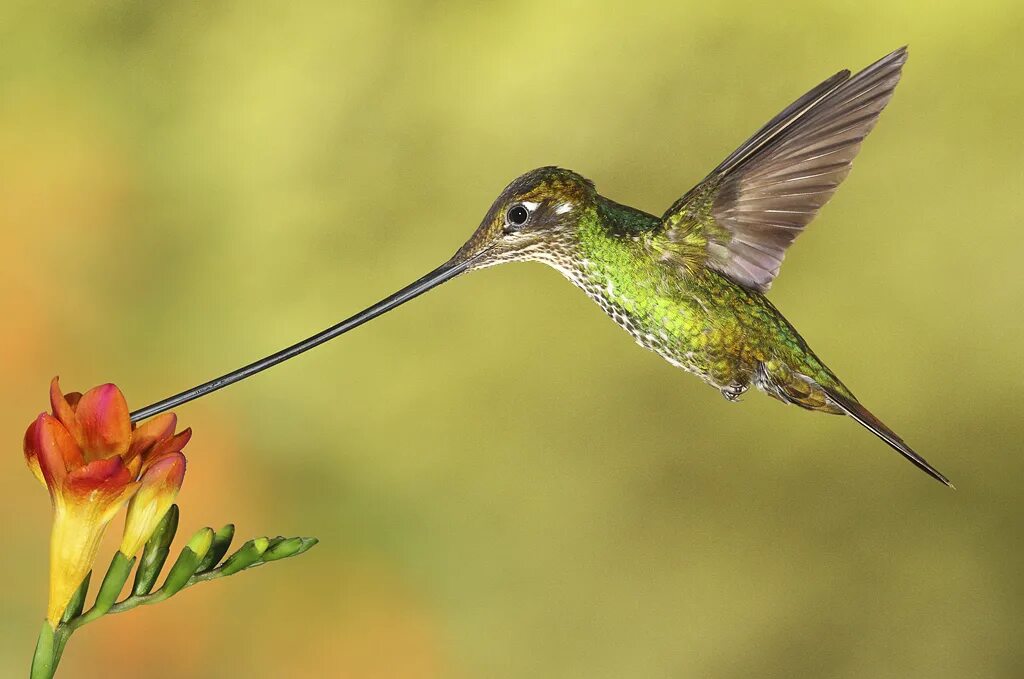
pixel 447 271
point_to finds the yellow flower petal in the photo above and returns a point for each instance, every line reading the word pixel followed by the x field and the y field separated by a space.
pixel 78 527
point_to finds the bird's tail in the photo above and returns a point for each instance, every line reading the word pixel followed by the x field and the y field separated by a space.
pixel 858 412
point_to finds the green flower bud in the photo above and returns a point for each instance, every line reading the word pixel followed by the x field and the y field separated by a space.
pixel 187 563
pixel 221 542
pixel 283 549
pixel 247 555
pixel 110 588
pixel 155 553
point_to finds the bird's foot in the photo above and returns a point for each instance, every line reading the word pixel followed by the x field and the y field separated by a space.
pixel 733 391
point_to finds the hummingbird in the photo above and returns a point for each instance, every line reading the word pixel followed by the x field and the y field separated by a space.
pixel 689 285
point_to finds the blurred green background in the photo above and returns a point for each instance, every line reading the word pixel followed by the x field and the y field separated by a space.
pixel 504 485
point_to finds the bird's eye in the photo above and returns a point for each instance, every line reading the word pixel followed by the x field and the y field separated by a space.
pixel 517 216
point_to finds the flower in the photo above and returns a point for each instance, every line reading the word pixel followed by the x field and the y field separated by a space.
pixel 90 460
pixel 158 487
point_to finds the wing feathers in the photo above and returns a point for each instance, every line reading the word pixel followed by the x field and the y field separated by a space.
pixel 780 122
pixel 773 185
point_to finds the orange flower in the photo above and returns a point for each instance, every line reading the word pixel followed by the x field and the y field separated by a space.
pixel 90 461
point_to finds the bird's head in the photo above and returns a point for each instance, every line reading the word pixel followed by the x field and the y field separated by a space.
pixel 533 218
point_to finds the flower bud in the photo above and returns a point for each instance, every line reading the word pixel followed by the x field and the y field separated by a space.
pixel 248 554
pixel 187 563
pixel 221 542
pixel 155 553
pixel 159 486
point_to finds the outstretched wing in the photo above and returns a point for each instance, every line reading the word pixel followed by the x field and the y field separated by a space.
pixel 741 218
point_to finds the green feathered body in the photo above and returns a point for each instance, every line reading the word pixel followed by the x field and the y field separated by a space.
pixel 695 318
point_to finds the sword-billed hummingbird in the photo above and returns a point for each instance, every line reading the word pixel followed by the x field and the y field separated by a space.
pixel 689 285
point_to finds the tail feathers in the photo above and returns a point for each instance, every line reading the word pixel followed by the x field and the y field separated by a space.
pixel 878 428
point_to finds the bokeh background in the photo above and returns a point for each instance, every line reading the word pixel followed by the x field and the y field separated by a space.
pixel 504 485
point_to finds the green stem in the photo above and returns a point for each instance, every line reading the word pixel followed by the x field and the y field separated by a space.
pixel 61 640
pixel 136 600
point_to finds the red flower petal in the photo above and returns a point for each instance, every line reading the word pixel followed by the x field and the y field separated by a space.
pixel 106 424
pixel 171 445
pixel 99 480
pixel 65 412
pixel 55 449
pixel 31 453
pixel 165 473
pixel 150 432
